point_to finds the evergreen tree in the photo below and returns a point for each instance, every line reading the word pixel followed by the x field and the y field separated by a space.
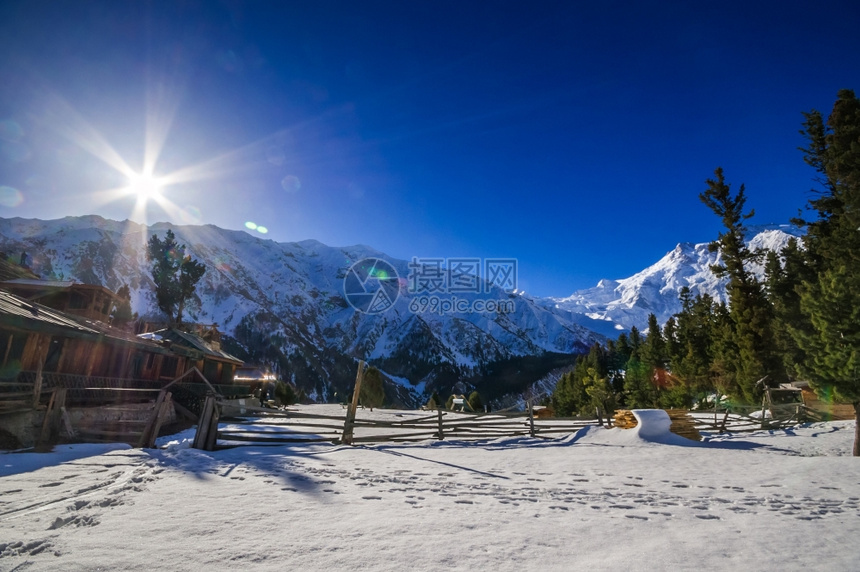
pixel 435 401
pixel 372 392
pixel 285 393
pixel 785 275
pixel 748 306
pixel 569 396
pixel 122 315
pixel 830 301
pixel 175 275
pixel 673 343
pixel 654 352
pixel 600 392
pixel 692 357
pixel 475 401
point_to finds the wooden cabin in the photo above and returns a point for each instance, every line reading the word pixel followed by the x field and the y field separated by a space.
pixel 36 337
pixel 85 300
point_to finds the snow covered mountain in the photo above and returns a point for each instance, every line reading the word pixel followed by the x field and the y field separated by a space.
pixel 283 304
pixel 621 304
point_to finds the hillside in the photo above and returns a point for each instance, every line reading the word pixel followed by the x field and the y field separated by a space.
pixel 283 304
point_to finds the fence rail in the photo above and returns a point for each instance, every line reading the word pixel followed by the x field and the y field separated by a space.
pixel 228 424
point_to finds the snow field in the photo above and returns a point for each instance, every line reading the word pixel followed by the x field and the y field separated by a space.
pixel 596 499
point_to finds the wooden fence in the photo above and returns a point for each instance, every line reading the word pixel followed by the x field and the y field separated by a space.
pixel 223 423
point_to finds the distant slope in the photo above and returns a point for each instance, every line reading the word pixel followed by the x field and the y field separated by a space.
pixel 283 304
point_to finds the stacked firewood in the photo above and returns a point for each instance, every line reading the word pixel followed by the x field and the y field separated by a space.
pixel 624 419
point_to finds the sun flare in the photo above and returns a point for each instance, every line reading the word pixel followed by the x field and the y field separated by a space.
pixel 145 186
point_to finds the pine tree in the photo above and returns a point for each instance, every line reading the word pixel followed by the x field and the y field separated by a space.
pixel 569 396
pixel 748 306
pixel 175 275
pixel 654 351
pixel 372 392
pixel 830 301
pixel 475 401
pixel 285 393
pixel 673 343
pixel 122 315
pixel 785 275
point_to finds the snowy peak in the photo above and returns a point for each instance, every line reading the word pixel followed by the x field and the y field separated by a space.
pixel 628 302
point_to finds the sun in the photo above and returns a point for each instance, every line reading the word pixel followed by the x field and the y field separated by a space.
pixel 144 185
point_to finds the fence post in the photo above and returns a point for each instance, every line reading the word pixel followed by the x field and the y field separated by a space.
pixel 150 423
pixel 212 435
pixel 202 434
pixel 441 435
pixel 531 419
pixel 349 424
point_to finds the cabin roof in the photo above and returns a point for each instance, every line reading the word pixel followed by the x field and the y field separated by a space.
pixel 16 312
pixel 51 286
pixel 179 338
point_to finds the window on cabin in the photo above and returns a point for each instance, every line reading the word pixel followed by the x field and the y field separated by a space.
pixel 168 367
pixel 137 366
pixel 77 301
pixel 55 350
pixel 227 374
pixel 210 370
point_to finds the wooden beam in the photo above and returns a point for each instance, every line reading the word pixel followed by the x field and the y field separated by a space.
pixel 8 349
pixel 203 426
pixel 162 414
pixel 349 424
pixel 150 423
pixel 42 348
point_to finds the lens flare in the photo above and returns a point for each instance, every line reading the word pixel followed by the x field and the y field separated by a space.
pixel 291 184
pixel 10 197
pixel 251 225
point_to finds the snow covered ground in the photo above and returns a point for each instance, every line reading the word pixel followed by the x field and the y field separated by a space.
pixel 599 499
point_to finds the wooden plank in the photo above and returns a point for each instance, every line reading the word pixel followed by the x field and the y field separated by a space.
pixel 440 434
pixel 350 413
pixel 286 426
pixel 46 421
pixel 203 425
pixel 41 355
pixel 531 419
pixel 276 439
pixel 163 413
pixel 212 435
pixel 147 429
pixel 67 421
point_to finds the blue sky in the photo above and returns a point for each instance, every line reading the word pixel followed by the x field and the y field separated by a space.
pixel 572 136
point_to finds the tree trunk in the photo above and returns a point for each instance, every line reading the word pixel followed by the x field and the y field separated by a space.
pixel 857 428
